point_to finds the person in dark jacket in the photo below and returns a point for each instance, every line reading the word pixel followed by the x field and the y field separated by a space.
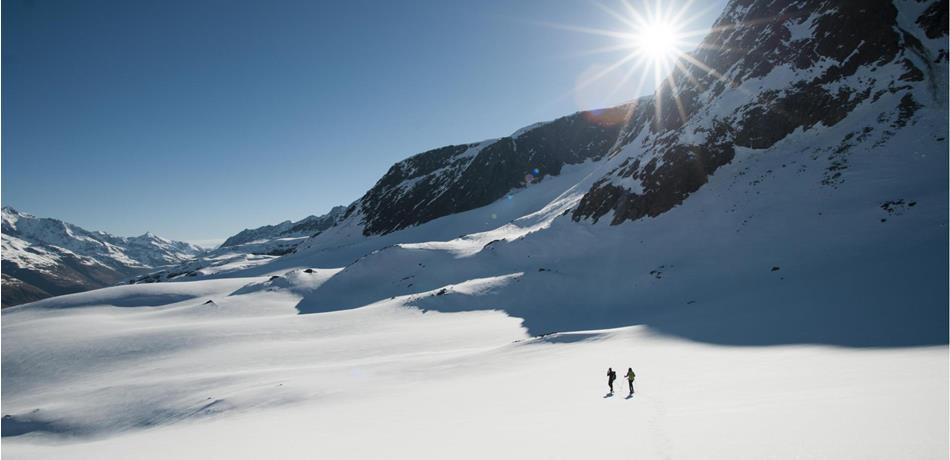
pixel 630 376
pixel 611 376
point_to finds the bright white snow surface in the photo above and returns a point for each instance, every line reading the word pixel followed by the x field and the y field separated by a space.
pixel 781 311
pixel 247 377
pixel 423 343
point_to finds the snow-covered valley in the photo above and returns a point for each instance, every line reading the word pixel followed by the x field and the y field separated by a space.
pixel 779 296
pixel 386 356
pixel 248 377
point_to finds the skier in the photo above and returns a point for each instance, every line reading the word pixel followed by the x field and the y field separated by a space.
pixel 611 376
pixel 630 376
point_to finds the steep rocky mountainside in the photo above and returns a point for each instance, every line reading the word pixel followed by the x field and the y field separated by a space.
pixel 774 221
pixel 458 178
pixel 45 257
pixel 818 84
pixel 768 69
pixel 308 226
pixel 802 150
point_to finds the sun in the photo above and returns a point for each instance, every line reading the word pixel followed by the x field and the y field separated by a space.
pixel 657 40
pixel 653 44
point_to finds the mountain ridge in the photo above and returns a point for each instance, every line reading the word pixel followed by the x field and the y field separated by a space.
pixel 308 226
pixel 790 231
pixel 50 257
pixel 747 43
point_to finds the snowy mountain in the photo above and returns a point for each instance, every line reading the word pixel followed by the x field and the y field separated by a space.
pixel 746 87
pixel 308 226
pixel 458 178
pixel 763 240
pixel 752 87
pixel 250 247
pixel 44 257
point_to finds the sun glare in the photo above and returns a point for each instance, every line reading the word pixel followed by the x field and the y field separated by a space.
pixel 652 45
pixel 657 41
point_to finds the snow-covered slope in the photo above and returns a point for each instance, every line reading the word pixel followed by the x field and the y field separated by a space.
pixel 459 178
pixel 793 175
pixel 771 260
pixel 795 69
pixel 248 248
pixel 44 257
pixel 308 226
pixel 245 377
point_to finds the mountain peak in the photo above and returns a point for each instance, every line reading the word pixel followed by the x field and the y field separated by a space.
pixel 307 226
pixel 53 257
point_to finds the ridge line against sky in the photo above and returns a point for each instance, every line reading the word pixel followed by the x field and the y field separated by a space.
pixel 195 120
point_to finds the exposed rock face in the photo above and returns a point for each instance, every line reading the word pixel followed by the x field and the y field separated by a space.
pixel 770 69
pixel 457 178
pixel 17 291
pixel 307 226
pixel 683 169
pixel 767 70
pixel 46 257
pixel 934 20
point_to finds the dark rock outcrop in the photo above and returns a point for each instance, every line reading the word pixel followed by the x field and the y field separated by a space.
pixel 934 19
pixel 307 226
pixel 458 178
pixel 811 58
pixel 675 140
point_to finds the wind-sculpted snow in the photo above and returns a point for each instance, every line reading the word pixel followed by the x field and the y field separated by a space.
pixel 244 377
pixel 83 339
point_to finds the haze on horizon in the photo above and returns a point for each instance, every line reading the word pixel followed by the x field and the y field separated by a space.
pixel 196 120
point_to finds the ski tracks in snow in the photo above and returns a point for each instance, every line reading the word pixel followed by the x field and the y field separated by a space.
pixel 656 421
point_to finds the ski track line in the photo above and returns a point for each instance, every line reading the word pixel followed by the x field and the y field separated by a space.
pixel 662 442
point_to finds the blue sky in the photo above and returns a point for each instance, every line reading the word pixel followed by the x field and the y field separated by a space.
pixel 196 119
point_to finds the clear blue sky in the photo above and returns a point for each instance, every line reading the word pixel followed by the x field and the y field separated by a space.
pixel 195 119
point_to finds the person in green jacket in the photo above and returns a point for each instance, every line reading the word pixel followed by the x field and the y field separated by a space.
pixel 630 376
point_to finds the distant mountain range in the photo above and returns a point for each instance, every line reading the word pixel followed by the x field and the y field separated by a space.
pixel 308 226
pixel 782 196
pixel 45 257
pixel 806 99
pixel 249 248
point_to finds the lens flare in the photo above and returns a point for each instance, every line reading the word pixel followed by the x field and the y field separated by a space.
pixel 652 43
pixel 658 41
